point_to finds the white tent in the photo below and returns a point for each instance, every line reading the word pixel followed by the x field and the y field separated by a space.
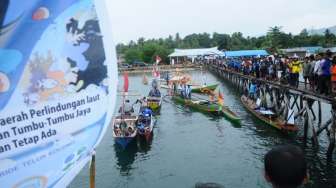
pixel 196 52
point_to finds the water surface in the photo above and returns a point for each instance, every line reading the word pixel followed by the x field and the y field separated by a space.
pixel 190 147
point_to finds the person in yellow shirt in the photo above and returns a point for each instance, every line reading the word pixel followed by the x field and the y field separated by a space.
pixel 296 69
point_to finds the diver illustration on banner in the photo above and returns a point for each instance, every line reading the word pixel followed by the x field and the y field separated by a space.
pixel 58 79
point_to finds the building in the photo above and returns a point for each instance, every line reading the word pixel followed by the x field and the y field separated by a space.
pixel 301 51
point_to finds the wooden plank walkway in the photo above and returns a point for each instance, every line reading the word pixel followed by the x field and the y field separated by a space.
pixel 298 91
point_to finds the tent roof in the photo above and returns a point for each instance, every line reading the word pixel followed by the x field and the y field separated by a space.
pixel 195 52
pixel 241 53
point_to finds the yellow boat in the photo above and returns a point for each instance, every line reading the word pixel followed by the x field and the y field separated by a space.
pixel 154 103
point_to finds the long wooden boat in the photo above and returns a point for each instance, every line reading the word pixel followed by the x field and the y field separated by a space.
pixel 204 89
pixel 273 121
pixel 201 105
pixel 145 124
pixel 124 129
pixel 230 115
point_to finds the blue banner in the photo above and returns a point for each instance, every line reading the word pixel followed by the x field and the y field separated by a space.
pixel 58 79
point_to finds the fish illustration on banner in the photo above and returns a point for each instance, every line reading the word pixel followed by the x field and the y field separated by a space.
pixel 58 84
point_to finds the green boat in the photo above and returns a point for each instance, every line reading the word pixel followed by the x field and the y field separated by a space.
pixel 201 105
pixel 230 115
pixel 204 89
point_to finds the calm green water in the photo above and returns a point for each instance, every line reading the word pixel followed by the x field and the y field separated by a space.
pixel 190 147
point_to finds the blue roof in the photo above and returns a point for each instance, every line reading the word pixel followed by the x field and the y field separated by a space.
pixel 241 53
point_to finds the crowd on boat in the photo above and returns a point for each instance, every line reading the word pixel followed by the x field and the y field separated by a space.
pixel 318 71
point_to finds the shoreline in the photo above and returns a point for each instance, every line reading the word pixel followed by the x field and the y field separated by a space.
pixel 188 67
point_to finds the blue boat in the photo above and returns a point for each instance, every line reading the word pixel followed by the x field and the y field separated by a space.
pixel 124 129
pixel 124 142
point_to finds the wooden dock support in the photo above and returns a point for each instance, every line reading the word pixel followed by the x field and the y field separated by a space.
pixel 284 98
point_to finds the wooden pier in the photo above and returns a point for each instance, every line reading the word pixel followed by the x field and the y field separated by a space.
pixel 184 67
pixel 284 97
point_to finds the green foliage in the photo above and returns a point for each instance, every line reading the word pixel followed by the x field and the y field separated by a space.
pixel 275 39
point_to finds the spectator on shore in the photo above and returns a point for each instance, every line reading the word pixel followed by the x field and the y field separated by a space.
pixel 325 76
pixel 333 75
pixel 285 167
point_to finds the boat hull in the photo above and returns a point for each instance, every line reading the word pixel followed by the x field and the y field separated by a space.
pixel 154 104
pixel 204 89
pixel 230 115
pixel 124 141
pixel 277 123
pixel 211 108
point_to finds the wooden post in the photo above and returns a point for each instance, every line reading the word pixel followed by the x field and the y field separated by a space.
pixel 332 134
pixel 319 114
pixel 93 171
pixel 306 125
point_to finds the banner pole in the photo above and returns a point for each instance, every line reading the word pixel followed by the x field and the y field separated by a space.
pixel 93 171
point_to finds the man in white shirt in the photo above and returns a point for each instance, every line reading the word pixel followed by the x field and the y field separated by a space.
pixel 317 71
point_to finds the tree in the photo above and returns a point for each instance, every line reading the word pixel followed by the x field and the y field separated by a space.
pixel 329 38
pixel 275 39
pixel 131 55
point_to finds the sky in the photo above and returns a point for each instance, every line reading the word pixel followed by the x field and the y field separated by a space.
pixel 132 19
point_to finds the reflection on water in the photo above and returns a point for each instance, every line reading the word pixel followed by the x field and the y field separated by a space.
pixel 126 156
pixel 190 147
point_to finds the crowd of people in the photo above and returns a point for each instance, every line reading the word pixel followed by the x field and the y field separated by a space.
pixel 317 72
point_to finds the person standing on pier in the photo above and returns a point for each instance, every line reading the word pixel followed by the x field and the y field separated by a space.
pixel 325 76
pixel 311 72
pixel 318 72
pixel 296 69
pixel 306 71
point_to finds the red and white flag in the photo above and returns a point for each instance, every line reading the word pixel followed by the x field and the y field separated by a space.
pixel 158 59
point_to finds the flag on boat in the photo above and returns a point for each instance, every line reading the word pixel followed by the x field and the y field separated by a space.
pixel 57 91
pixel 126 82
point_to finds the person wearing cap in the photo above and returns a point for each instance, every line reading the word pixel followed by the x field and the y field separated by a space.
pixel 296 69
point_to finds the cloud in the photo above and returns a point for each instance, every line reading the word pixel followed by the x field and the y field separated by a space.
pixel 159 18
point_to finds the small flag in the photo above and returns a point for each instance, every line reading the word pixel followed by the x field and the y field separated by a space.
pixel 158 59
pixel 125 82
pixel 220 98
